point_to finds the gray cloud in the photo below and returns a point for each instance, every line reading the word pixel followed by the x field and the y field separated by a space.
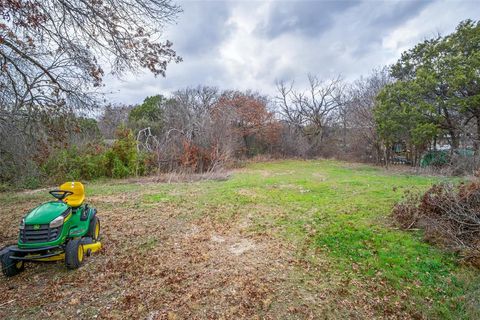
pixel 398 13
pixel 307 17
pixel 251 44
pixel 201 28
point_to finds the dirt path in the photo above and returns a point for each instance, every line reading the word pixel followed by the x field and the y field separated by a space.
pixel 156 264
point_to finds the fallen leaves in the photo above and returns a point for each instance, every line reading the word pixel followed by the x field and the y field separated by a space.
pixel 155 264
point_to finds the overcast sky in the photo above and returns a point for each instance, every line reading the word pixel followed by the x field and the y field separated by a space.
pixel 251 44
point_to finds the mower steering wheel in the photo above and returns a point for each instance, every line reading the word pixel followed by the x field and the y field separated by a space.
pixel 60 194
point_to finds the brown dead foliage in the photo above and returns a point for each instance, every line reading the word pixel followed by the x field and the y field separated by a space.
pixel 449 215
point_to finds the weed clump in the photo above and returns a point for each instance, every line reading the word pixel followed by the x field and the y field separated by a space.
pixel 448 214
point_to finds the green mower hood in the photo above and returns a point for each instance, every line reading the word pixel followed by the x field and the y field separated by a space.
pixel 45 213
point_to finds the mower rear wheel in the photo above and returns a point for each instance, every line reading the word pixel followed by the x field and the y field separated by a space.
pixel 74 254
pixel 94 229
pixel 11 267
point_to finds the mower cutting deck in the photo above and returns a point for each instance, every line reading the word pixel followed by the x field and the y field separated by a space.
pixel 66 229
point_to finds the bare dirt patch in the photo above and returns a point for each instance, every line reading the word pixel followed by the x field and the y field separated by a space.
pixel 249 193
pixel 241 246
pixel 319 176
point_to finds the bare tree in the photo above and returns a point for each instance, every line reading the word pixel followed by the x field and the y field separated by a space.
pixel 111 118
pixel 314 109
pixel 52 53
pixel 51 49
pixel 196 136
pixel 363 141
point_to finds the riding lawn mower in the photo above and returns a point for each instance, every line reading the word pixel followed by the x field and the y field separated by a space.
pixel 66 229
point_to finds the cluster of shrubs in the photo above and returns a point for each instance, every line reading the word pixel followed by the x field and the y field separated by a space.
pixel 97 159
pixel 449 215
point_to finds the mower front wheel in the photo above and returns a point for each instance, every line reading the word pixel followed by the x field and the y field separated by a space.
pixel 74 254
pixel 11 267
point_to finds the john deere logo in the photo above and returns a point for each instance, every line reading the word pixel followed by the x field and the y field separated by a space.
pixel 36 227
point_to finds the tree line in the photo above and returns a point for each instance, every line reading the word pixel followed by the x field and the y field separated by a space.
pixel 422 110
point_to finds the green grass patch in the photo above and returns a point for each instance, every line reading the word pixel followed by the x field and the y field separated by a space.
pixel 347 207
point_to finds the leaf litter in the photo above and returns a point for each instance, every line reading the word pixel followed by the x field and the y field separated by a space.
pixel 157 265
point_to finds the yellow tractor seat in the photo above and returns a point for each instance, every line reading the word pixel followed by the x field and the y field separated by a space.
pixel 75 199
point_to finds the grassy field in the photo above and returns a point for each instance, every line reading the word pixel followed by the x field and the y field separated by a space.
pixel 289 239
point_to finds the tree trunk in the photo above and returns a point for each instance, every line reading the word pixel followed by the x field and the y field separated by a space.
pixel 451 129
pixel 378 153
pixel 386 154
pixel 453 140
pixel 476 141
